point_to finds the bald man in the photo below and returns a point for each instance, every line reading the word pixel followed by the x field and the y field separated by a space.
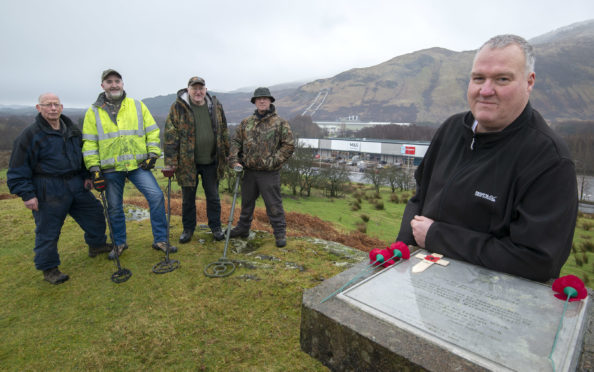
pixel 46 170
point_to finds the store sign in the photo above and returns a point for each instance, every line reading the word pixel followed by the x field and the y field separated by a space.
pixel 407 150
pixel 355 146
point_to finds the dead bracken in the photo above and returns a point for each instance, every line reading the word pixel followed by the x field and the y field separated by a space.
pixel 298 224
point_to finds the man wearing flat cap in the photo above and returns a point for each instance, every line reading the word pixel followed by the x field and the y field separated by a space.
pixel 121 141
pixel 262 143
pixel 197 144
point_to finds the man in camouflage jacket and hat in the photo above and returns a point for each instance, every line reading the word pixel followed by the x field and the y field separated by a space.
pixel 262 143
pixel 197 143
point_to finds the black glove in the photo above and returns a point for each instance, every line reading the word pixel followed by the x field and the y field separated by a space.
pixel 99 182
pixel 148 163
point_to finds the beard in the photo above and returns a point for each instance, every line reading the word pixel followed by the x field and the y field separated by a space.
pixel 114 94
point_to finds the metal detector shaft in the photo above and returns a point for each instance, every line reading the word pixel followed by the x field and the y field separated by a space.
pixel 238 170
pixel 121 275
pixel 168 215
pixel 167 265
pixel 225 267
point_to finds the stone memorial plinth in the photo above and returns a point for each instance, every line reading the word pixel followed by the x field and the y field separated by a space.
pixel 459 317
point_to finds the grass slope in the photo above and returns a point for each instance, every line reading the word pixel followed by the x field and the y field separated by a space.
pixel 181 320
pixel 176 321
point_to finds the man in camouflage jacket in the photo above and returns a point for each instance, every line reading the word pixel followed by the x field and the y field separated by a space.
pixel 197 143
pixel 262 143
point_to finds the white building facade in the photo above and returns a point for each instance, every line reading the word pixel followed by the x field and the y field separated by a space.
pixel 381 151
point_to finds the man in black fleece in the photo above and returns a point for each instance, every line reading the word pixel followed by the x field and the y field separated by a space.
pixel 497 187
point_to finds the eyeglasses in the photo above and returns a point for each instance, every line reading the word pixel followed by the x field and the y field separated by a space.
pixel 56 105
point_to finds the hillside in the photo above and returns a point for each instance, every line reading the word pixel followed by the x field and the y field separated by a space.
pixel 424 86
pixel 429 85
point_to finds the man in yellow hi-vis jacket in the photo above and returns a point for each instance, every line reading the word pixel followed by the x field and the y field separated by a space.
pixel 121 140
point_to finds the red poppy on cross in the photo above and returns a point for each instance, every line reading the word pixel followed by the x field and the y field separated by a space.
pixel 428 260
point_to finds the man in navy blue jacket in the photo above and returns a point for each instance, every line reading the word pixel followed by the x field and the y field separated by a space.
pixel 497 187
pixel 46 170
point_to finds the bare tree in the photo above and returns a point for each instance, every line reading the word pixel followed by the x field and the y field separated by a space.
pixel 399 177
pixel 303 126
pixel 376 176
pixel 333 180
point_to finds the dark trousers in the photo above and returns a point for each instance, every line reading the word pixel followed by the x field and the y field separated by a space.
pixel 210 185
pixel 267 184
pixel 57 198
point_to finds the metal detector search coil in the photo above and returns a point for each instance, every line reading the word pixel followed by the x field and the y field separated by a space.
pixel 225 267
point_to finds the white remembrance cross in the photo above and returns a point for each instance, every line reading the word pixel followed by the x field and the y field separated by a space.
pixel 428 260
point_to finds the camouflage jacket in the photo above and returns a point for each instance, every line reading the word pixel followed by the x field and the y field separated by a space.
pixel 180 137
pixel 262 143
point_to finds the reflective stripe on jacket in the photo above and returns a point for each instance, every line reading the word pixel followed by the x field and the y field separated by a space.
pixel 119 147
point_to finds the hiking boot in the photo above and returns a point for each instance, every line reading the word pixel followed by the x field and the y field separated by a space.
pixel 218 234
pixel 185 236
pixel 162 246
pixel 54 276
pixel 95 250
pixel 281 241
pixel 239 232
pixel 117 250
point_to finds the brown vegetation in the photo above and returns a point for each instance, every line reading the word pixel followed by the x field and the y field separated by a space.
pixel 298 224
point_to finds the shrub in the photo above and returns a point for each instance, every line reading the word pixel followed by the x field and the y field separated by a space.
pixel 361 227
pixel 573 248
pixel 365 218
pixel 588 246
pixel 379 205
pixel 394 198
pixel 356 206
pixel 585 257
pixel 578 261
pixel 404 198
pixel 587 225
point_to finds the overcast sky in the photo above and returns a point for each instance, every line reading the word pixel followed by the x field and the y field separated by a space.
pixel 63 45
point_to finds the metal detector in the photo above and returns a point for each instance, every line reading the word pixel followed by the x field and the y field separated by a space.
pixel 167 265
pixel 121 275
pixel 225 267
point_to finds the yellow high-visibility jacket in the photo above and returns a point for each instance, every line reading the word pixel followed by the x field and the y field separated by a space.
pixel 123 146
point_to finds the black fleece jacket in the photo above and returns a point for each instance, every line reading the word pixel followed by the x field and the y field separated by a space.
pixel 505 200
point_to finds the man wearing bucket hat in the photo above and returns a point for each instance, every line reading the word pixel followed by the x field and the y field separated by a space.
pixel 121 141
pixel 197 143
pixel 263 142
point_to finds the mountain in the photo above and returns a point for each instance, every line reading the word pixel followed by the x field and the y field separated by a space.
pixel 236 104
pixel 430 85
pixel 424 86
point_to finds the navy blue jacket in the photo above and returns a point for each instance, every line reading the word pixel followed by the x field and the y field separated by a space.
pixel 505 200
pixel 40 151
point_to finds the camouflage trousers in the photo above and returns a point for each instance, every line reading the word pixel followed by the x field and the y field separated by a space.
pixel 267 184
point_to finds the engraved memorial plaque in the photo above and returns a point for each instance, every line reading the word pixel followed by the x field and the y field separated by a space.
pixel 498 321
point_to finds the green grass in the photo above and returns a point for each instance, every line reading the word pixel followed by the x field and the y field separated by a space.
pixel 181 320
pixel 383 224
pixel 176 321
